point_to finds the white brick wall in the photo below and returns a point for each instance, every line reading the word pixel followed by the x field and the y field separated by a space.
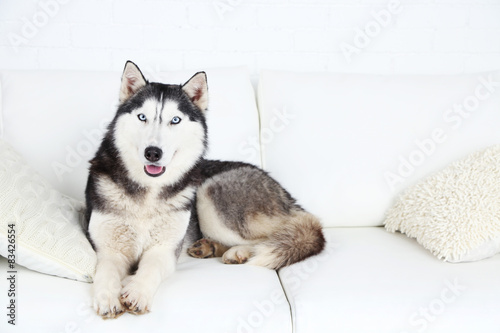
pixel 426 36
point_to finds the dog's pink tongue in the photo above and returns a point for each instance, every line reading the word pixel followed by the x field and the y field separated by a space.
pixel 153 169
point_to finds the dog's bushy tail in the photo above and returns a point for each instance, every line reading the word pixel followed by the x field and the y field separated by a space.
pixel 299 236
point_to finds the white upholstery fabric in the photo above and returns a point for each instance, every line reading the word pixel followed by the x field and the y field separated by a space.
pixel 350 143
pixel 56 119
pixel 370 280
pixel 203 295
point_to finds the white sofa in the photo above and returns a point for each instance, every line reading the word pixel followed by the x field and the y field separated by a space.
pixel 344 145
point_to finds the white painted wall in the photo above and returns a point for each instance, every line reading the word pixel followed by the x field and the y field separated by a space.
pixel 406 36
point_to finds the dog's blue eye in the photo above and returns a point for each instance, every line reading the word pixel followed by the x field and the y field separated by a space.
pixel 175 120
pixel 141 116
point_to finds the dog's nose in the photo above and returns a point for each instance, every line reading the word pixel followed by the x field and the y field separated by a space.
pixel 153 154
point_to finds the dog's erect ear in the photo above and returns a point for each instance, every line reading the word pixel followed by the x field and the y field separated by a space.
pixel 197 90
pixel 132 80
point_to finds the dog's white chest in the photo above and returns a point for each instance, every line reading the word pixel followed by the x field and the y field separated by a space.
pixel 141 222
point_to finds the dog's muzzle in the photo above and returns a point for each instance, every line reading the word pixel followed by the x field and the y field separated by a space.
pixel 153 154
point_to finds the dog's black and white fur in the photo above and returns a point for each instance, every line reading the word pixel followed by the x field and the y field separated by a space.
pixel 149 185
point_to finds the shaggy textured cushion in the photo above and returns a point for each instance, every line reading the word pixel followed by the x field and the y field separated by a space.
pixel 48 236
pixel 455 213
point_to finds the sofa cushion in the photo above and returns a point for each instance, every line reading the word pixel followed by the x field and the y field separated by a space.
pixel 203 295
pixel 346 144
pixel 455 213
pixel 370 280
pixel 56 119
pixel 40 227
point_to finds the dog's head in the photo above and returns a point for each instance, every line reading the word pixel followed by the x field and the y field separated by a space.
pixel 160 129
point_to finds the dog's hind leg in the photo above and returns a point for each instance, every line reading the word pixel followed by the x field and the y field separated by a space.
pixel 237 254
pixel 247 209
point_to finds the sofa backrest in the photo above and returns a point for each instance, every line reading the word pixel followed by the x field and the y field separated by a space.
pixel 56 119
pixel 345 145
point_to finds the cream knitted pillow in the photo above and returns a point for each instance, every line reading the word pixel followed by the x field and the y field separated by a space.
pixel 48 237
pixel 455 213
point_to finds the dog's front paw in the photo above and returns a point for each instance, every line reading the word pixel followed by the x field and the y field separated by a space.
pixel 203 248
pixel 135 298
pixel 107 305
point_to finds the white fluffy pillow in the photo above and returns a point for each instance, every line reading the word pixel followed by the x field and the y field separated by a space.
pixel 455 213
pixel 48 235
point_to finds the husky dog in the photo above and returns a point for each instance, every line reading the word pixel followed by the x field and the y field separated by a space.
pixel 149 185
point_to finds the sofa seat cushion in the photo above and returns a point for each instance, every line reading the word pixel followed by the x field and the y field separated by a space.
pixel 370 280
pixel 203 295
